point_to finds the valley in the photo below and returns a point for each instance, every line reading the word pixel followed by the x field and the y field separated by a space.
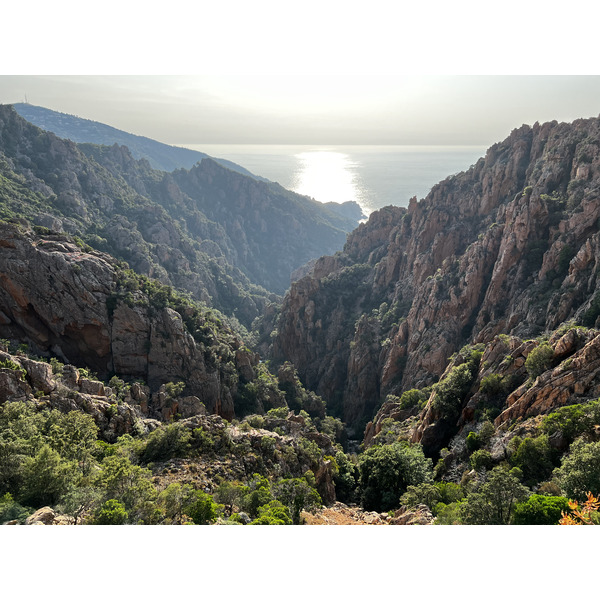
pixel 203 346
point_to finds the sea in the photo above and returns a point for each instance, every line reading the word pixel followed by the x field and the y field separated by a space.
pixel 372 176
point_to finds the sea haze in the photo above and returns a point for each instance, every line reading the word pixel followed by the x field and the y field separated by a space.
pixel 373 176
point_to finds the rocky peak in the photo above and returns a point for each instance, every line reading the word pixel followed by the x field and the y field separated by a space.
pixel 509 246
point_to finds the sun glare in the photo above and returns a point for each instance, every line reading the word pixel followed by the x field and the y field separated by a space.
pixel 327 176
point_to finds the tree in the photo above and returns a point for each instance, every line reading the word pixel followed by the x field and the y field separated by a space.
pixel 493 503
pixel 386 471
pixel 174 499
pixel 112 512
pixel 256 494
pixel 273 513
pixel 345 477
pixel 534 457
pixel 79 500
pixel 297 496
pixel 229 494
pixel 540 510
pixel 539 359
pixel 579 472
pixel 201 509
pixel 46 477
pixel 131 485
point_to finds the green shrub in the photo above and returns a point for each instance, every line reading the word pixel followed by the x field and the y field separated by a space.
pixel 451 391
pixel 166 442
pixel 540 510
pixel 494 502
pixel 386 471
pixel 534 457
pixel 112 512
pixel 202 509
pixel 492 385
pixel 481 459
pixel 579 472
pixel 13 366
pixel 424 493
pixel 572 420
pixel 412 398
pixel 273 513
pixel 448 514
pixel 472 442
pixel 539 360
pixel 10 510
pixel 449 491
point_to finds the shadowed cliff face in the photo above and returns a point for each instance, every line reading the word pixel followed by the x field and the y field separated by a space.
pixel 66 302
pixel 229 240
pixel 510 246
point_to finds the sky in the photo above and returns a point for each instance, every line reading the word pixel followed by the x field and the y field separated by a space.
pixel 313 108
pixel 316 72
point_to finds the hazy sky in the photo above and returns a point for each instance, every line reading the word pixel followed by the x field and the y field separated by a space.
pixel 315 72
pixel 315 108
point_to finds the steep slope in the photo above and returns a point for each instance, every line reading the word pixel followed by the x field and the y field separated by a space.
pixel 61 300
pixel 140 215
pixel 510 246
pixel 263 229
pixel 160 156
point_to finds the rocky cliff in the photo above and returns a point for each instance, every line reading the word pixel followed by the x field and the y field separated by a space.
pixel 229 240
pixel 82 307
pixel 510 246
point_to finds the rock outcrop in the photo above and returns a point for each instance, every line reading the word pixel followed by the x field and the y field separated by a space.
pixel 63 301
pixel 510 246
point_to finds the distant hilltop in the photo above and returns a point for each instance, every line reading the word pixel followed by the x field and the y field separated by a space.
pixel 160 156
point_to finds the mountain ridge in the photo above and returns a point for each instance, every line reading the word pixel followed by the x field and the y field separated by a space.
pixel 163 157
pixel 464 264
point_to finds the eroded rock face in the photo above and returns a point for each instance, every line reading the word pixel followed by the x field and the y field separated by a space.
pixel 577 378
pixel 55 297
pixel 509 247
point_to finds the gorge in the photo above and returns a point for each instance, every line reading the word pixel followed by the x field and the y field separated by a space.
pixel 455 339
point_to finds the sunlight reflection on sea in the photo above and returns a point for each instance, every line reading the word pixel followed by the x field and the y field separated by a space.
pixel 372 176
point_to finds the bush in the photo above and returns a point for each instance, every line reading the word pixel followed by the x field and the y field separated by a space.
pixel 579 472
pixel 202 509
pixel 273 513
pixel 494 502
pixel 10 510
pixel 424 493
pixel 386 472
pixel 572 420
pixel 540 510
pixel 492 385
pixel 539 360
pixel 412 398
pixel 167 442
pixel 481 459
pixel 451 391
pixel 534 457
pixel 112 512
